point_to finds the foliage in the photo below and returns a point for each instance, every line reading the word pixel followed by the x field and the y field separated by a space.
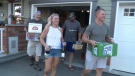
pixel 22 18
pixel 13 17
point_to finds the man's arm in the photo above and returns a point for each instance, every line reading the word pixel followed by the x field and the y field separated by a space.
pixel 26 27
pixel 62 34
pixel 63 30
pixel 79 32
pixel 86 39
pixel 79 36
pixel 108 39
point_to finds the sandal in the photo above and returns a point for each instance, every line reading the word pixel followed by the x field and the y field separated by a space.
pixel 62 61
pixel 71 68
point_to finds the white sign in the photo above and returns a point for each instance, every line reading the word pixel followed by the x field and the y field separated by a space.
pixel 34 28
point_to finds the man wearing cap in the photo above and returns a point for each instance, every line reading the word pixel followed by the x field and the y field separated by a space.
pixel 72 27
pixel 35 47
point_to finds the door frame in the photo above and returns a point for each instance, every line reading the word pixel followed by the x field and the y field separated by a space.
pixel 35 6
pixel 116 28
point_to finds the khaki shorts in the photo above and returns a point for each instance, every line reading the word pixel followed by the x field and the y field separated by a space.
pixel 92 60
pixel 34 48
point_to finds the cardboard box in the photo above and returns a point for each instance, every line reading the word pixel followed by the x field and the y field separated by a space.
pixel 33 36
pixel 105 49
pixel 77 46
pixel 35 28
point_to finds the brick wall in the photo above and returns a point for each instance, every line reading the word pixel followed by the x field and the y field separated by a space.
pixel 10 31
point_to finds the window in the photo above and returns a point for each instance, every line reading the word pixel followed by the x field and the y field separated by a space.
pixel 129 12
pixel 17 9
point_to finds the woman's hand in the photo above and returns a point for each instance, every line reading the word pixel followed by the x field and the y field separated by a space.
pixel 64 43
pixel 47 48
pixel 93 43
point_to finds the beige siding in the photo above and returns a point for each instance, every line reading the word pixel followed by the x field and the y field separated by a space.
pixel 106 4
pixel 26 10
pixel 3 9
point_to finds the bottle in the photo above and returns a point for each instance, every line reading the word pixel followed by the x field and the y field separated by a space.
pixel 63 53
pixel 46 54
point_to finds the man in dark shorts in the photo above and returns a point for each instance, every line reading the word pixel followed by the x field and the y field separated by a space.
pixel 35 47
pixel 72 30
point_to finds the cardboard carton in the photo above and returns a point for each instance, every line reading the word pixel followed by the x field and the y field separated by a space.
pixel 105 49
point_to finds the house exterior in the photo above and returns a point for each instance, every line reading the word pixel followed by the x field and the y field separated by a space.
pixel 13 35
pixel 120 17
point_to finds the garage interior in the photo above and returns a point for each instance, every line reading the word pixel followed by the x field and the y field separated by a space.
pixel 82 13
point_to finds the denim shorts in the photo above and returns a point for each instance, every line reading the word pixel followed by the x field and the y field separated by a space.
pixel 55 53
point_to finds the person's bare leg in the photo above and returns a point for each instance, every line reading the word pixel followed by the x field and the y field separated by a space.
pixel 71 59
pixel 85 72
pixel 99 71
pixel 48 63
pixel 37 58
pixel 54 65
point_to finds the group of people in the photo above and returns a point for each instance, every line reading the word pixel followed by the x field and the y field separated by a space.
pixel 52 40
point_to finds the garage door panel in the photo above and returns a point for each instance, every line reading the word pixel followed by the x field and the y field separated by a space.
pixel 132 65
pixel 128 20
pixel 128 48
pixel 126 38
pixel 123 63
pixel 124 34
pixel 127 29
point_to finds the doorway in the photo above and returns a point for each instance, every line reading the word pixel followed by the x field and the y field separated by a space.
pixel 83 12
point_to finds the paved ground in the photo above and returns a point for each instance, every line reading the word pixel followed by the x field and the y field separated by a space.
pixel 20 67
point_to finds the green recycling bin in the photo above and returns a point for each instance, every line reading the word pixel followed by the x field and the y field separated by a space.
pixel 105 49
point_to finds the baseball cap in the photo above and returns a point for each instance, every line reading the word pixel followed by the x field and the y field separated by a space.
pixel 72 14
pixel 38 12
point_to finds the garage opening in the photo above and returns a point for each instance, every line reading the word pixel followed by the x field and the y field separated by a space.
pixel 82 15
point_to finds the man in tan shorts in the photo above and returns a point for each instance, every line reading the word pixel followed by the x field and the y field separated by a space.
pixel 34 48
